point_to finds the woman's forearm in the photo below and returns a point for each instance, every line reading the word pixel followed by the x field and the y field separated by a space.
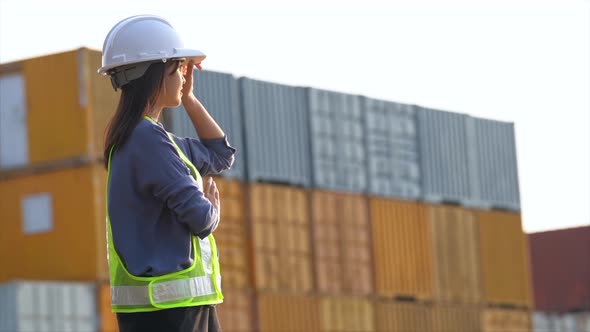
pixel 204 124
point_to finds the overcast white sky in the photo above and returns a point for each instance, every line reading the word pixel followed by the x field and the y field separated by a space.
pixel 522 61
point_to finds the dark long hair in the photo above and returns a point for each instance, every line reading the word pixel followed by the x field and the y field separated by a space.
pixel 136 96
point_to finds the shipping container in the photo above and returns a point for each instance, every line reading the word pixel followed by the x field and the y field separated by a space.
pixel 560 263
pixel 555 322
pixel 107 318
pixel 281 238
pixel 342 243
pixel 219 93
pixel 505 320
pixel 48 307
pixel 456 254
pixel 59 91
pixel 56 223
pixel 505 264
pixel 402 249
pixel 337 141
pixel 276 131
pixel 393 316
pixel 346 314
pixel 492 164
pixel 288 313
pixel 456 318
pixel 232 237
pixel 443 156
pixel 237 312
pixel 393 161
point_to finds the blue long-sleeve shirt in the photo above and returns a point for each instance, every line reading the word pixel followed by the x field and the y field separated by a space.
pixel 155 205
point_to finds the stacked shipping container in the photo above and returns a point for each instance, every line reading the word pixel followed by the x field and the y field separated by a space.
pixel 331 217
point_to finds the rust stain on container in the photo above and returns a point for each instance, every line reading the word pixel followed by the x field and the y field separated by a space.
pixel 501 320
pixel 504 259
pixel 281 238
pixel 344 314
pixel 72 245
pixel 342 241
pixel 231 236
pixel 402 249
pixel 560 263
pixel 236 313
pixel 288 313
pixel 402 316
pixel 456 251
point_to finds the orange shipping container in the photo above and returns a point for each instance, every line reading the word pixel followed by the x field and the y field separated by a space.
pixel 402 316
pixel 456 254
pixel 231 236
pixel 108 319
pixel 288 313
pixel 236 313
pixel 501 320
pixel 347 314
pixel 342 243
pixel 64 92
pixel 504 259
pixel 53 225
pixel 281 238
pixel 402 249
pixel 456 318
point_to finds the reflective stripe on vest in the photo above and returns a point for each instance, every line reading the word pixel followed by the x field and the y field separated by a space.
pixel 199 284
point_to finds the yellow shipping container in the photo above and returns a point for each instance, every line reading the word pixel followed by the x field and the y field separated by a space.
pixel 231 236
pixel 463 318
pixel 456 252
pixel 52 225
pixel 288 313
pixel 402 249
pixel 65 97
pixel 281 238
pixel 236 313
pixel 347 314
pixel 393 316
pixel 504 259
pixel 342 243
pixel 502 320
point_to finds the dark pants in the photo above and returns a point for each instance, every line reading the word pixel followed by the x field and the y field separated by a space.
pixel 186 319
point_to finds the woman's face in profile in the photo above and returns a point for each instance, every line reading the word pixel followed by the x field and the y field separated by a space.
pixel 171 93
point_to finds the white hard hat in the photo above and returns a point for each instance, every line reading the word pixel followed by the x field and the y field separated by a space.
pixel 141 39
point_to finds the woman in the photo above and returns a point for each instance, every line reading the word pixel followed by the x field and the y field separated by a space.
pixel 163 262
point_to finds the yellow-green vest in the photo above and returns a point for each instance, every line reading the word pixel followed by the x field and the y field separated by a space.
pixel 200 284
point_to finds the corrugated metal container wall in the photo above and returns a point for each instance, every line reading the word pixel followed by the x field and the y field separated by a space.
pixel 236 313
pixel 276 132
pixel 392 149
pixel 553 322
pixel 501 320
pixel 46 214
pixel 560 264
pixel 342 240
pixel 455 249
pixel 456 318
pixel 504 258
pixel 219 93
pixel 337 141
pixel 48 307
pixel 344 314
pixel 492 164
pixel 64 89
pixel 281 238
pixel 403 316
pixel 231 236
pixel 402 249
pixel 443 156
pixel 14 146
pixel 288 313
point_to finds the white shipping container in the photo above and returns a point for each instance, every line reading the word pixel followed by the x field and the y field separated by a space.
pixel 553 322
pixel 27 306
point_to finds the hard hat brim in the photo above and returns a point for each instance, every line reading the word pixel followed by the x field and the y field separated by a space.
pixel 189 54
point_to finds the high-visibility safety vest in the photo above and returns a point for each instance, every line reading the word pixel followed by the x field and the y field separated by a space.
pixel 199 284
